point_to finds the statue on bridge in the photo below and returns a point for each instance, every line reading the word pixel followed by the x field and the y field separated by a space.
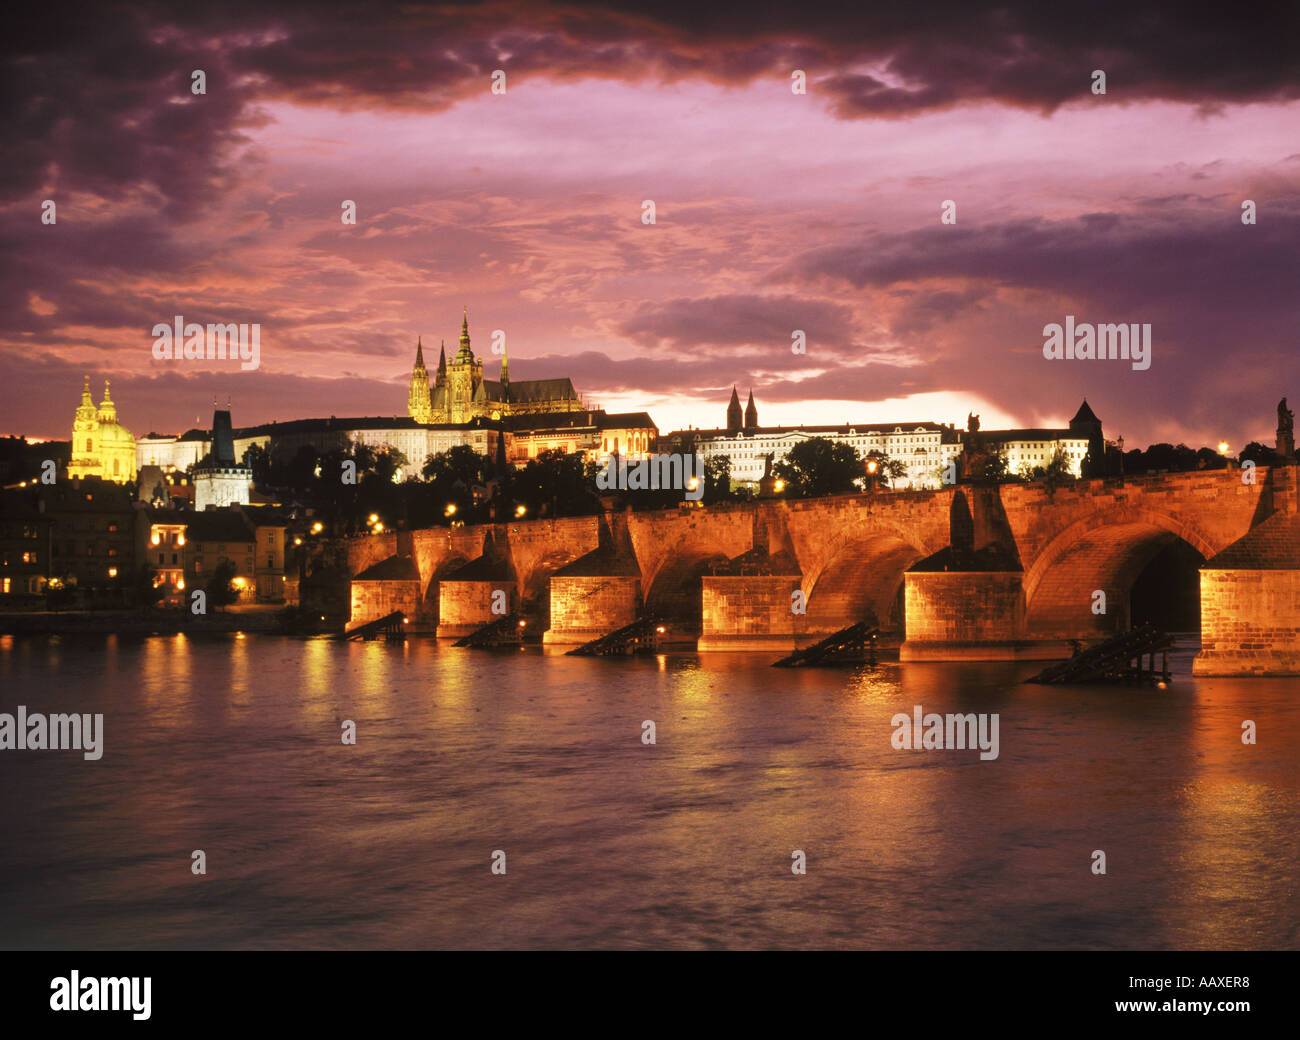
pixel 767 483
pixel 1285 432
pixel 972 423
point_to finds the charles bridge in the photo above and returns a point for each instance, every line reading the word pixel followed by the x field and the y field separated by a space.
pixel 966 573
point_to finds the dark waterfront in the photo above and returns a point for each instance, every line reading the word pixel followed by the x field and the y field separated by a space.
pixel 230 744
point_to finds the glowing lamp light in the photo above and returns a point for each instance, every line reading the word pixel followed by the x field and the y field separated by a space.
pixel 780 485
pixel 378 528
pixel 180 584
pixel 522 624
pixel 520 510
pixel 373 518
pixel 239 583
pixel 450 510
pixel 406 621
pixel 872 466
pixel 112 572
pixel 660 629
pixel 317 528
pixel 692 484
pixel 180 539
pixel 297 541
pixel 1223 447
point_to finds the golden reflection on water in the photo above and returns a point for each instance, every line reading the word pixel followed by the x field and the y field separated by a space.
pixel 1236 789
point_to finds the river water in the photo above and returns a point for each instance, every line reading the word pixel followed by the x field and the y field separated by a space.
pixel 232 745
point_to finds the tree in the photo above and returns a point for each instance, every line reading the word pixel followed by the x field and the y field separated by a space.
pixel 717 478
pixel 1056 473
pixel 147 591
pixel 1259 454
pixel 887 470
pixel 555 483
pixel 452 475
pixel 819 466
pixel 219 589
pixel 258 459
pixel 990 468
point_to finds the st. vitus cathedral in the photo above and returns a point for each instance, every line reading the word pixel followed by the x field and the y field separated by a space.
pixel 459 392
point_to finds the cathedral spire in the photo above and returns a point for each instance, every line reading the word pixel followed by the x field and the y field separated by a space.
pixel 751 414
pixel 505 367
pixel 735 418
pixel 417 396
pixel 464 353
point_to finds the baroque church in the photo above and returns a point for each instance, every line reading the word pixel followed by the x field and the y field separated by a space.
pixel 101 447
pixel 459 393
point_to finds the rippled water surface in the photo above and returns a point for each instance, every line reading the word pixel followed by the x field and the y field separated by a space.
pixel 232 745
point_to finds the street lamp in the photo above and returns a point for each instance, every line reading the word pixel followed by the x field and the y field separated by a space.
pixel 374 518
pixel 520 510
pixel 450 510
pixel 780 486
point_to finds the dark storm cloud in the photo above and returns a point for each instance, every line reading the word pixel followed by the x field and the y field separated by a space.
pixel 100 95
pixel 766 322
pixel 1129 261
pixel 713 372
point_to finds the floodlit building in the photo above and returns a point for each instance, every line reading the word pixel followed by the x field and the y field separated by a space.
pixel 101 447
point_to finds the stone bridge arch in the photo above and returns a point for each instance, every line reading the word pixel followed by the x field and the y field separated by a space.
pixel 675 549
pixel 854 551
pixel 859 575
pixel 1105 550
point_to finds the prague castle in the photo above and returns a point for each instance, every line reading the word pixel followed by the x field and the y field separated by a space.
pixel 459 393
pixel 101 447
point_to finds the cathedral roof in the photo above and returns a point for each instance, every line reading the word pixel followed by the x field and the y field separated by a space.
pixel 524 391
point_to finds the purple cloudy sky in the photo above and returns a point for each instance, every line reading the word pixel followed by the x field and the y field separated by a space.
pixel 775 211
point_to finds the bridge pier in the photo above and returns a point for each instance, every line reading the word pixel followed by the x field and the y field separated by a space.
pixel 970 616
pixel 585 607
pixel 1250 603
pixel 465 606
pixel 748 612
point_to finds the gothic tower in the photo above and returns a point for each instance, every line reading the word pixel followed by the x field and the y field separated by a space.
pixel 464 375
pixel 417 398
pixel 734 416
pixel 751 415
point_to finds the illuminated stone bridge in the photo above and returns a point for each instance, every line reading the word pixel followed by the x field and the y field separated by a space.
pixel 966 573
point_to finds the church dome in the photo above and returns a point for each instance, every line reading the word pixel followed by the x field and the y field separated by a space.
pixel 114 433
